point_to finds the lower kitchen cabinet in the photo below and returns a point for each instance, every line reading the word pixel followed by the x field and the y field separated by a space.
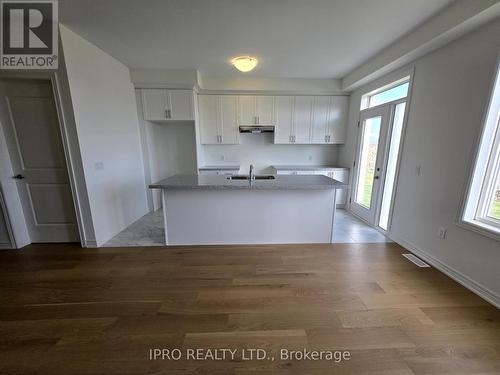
pixel 339 174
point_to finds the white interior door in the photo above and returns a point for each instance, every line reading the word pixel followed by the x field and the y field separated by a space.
pixel 33 136
pixel 368 167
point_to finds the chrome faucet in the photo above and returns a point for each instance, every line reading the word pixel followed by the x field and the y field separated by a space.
pixel 251 176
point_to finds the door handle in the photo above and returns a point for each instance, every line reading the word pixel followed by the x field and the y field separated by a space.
pixel 375 178
pixel 18 177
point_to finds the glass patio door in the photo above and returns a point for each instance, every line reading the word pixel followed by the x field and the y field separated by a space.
pixel 372 135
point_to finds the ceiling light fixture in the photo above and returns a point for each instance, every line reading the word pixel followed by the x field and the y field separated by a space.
pixel 245 63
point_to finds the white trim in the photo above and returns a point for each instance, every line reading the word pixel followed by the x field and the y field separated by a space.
pixel 52 77
pixel 472 191
pixel 456 275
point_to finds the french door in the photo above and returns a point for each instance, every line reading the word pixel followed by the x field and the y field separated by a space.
pixel 376 163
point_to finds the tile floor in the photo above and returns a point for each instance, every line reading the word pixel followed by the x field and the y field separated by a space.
pixel 148 231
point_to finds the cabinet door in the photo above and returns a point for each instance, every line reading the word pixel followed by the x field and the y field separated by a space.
pixel 180 104
pixel 320 119
pixel 341 175
pixel 302 116
pixel 265 110
pixel 154 104
pixel 230 133
pixel 337 122
pixel 284 119
pixel 208 106
pixel 247 110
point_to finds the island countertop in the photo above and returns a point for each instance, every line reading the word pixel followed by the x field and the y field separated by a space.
pixel 280 182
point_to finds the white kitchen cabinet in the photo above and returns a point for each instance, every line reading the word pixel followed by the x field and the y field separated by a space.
pixel 302 119
pixel 256 110
pixel 208 108
pixel 154 104
pixel 293 119
pixel 339 174
pixel 319 128
pixel 283 129
pixel 167 105
pixel 218 119
pixel 329 119
pixel 229 132
pixel 342 175
pixel 218 172
pixel 337 119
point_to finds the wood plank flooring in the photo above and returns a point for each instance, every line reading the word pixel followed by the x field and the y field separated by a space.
pixel 67 310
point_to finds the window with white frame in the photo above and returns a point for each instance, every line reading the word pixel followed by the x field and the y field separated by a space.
pixel 394 91
pixel 482 205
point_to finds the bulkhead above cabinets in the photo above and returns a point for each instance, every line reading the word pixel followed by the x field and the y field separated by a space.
pixel 301 119
pixel 167 105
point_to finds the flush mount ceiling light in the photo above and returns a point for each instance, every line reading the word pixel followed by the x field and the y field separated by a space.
pixel 245 63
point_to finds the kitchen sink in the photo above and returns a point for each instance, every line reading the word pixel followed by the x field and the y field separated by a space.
pixel 245 177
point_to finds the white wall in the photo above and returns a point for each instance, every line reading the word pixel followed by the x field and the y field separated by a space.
pixel 450 92
pixel 107 126
pixel 168 149
pixel 259 150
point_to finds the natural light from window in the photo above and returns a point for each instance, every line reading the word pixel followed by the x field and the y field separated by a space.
pixel 384 95
pixel 482 206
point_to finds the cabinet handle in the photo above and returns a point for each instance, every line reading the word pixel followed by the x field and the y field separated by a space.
pixel 169 113
pixel 220 138
pixel 166 113
pixel 293 139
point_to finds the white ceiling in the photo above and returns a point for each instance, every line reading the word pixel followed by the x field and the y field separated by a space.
pixel 291 38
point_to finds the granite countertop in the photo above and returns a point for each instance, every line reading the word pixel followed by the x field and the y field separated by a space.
pixel 306 167
pixel 303 182
pixel 219 167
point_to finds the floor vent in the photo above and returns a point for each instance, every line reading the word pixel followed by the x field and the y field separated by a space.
pixel 412 258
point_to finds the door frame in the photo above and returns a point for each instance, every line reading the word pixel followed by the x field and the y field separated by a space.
pixel 63 128
pixel 384 112
pixel 392 108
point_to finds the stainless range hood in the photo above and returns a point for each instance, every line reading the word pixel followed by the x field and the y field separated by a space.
pixel 256 129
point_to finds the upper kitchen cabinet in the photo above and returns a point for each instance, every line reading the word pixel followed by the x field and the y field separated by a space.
pixel 283 130
pixel 329 119
pixel 167 105
pixel 302 119
pixel 337 119
pixel 218 119
pixel 293 119
pixel 319 128
pixel 256 110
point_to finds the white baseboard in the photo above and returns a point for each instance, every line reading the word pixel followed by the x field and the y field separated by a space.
pixel 459 277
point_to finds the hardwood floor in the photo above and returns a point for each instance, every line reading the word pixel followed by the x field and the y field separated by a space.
pixel 67 310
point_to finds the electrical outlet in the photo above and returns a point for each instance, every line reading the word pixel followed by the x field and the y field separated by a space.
pixel 310 157
pixel 441 232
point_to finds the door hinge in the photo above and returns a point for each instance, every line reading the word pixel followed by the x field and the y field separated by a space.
pixel 358 124
pixel 354 163
pixel 350 200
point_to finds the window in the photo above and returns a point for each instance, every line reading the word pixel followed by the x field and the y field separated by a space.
pixel 394 91
pixel 482 206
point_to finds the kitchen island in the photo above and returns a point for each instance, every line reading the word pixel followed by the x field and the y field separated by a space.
pixel 214 210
